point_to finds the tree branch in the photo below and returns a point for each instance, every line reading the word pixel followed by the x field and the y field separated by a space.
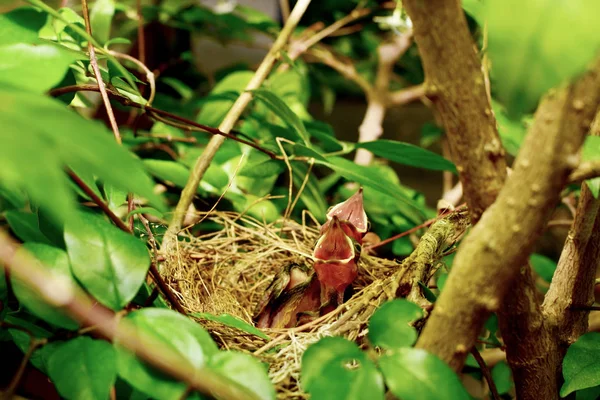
pixel 454 78
pixel 504 238
pixel 63 295
pixel 371 127
pixel 586 170
pixel 98 75
pixel 203 162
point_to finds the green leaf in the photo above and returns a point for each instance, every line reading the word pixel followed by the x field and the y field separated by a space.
pixel 402 246
pixel 543 44
pixel 83 368
pixel 115 197
pixel 101 16
pixel 407 154
pixel 414 374
pixel 364 175
pixel 109 263
pixel 35 68
pixel 590 152
pixel 292 87
pixel 262 169
pixel 335 368
pixel 56 262
pixel 176 173
pixel 390 326
pixel 21 25
pixel 233 322
pixel 40 137
pixel 283 111
pixel 502 377
pixel 246 371
pixel 588 394
pixel 41 356
pixel 145 210
pixel 543 266
pixel 116 40
pixel 303 151
pixel 324 133
pixel 180 335
pixel 475 8
pixel 581 365
pixel 212 113
pixel 25 226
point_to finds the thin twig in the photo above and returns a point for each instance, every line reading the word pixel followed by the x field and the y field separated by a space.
pixel 586 170
pixel 415 229
pixel 585 308
pixel 284 5
pixel 149 74
pixel 189 125
pixel 99 202
pixel 62 294
pixel 14 383
pixel 486 373
pixel 203 162
pixel 98 75
pixel 156 276
pixel 140 33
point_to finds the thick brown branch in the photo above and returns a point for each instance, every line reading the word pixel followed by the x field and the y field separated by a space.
pixel 63 295
pixel 586 170
pixel 456 86
pixel 491 256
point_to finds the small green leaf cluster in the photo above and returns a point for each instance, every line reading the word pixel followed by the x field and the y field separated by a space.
pixel 335 368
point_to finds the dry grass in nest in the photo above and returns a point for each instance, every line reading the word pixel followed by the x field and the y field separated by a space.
pixel 228 272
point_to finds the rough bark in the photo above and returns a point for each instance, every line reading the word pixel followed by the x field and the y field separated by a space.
pixel 492 255
pixel 456 85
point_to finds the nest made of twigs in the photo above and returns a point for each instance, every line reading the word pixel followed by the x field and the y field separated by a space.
pixel 229 270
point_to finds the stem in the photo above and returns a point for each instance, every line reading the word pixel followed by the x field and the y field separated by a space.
pixel 99 202
pixel 486 373
pixel 98 75
pixel 586 170
pixel 189 125
pixel 203 162
pixel 140 34
pixel 14 383
pixel 74 302
pixel 89 38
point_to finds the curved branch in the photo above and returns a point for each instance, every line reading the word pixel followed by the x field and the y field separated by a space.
pixel 490 258
pixel 454 79
pixel 62 294
pixel 204 160
pixel 586 170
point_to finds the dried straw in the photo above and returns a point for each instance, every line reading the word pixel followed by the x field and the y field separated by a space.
pixel 228 271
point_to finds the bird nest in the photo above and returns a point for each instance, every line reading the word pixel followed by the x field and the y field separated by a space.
pixel 228 271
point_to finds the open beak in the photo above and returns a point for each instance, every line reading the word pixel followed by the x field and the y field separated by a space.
pixel 334 245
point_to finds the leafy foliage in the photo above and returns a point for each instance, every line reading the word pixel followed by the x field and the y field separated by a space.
pixel 48 140
pixel 109 263
pixel 581 368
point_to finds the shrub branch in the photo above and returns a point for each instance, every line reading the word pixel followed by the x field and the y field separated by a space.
pixel 454 78
pixel 63 295
pixel 204 160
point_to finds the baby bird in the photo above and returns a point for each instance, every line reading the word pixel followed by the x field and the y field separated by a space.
pixel 291 293
pixel 335 262
pixel 352 216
